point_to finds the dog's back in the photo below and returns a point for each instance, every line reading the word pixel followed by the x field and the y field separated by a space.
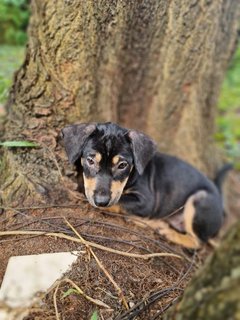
pixel 173 181
pixel 172 189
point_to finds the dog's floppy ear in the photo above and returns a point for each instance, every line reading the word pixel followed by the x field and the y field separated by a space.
pixel 143 148
pixel 74 138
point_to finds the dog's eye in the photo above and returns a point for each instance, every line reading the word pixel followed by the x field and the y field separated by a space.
pixel 122 165
pixel 90 161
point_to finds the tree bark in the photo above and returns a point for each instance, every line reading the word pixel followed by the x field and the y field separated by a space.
pixel 153 65
pixel 214 293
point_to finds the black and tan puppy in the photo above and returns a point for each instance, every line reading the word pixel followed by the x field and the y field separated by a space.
pixel 122 167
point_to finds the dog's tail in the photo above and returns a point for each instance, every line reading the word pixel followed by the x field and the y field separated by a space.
pixel 221 174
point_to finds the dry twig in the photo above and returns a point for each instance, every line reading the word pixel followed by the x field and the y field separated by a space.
pixel 55 301
pixel 101 266
pixel 91 244
pixel 79 291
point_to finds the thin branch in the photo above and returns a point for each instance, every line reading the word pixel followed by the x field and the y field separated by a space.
pixel 150 299
pixel 92 244
pixel 44 207
pixel 101 266
pixel 108 225
pixel 65 230
pixel 55 301
pixel 159 313
pixel 88 236
pixel 145 303
pixel 81 292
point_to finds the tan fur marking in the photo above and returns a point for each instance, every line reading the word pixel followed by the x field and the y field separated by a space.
pixel 98 157
pixel 117 187
pixel 190 239
pixel 188 215
pixel 89 183
pixel 117 190
pixel 115 159
pixel 131 191
pixel 89 186
pixel 185 240
pixel 154 224
pixel 115 209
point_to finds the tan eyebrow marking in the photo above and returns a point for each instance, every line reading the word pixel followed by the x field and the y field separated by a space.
pixel 98 157
pixel 115 159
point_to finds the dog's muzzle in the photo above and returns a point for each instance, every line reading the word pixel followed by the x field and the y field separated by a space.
pixel 101 200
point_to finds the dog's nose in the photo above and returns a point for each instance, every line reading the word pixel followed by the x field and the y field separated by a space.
pixel 101 200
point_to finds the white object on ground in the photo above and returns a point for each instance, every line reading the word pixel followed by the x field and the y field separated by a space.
pixel 25 276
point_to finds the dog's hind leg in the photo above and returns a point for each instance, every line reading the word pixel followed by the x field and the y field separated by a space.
pixel 202 217
pixel 186 240
pixel 163 228
pixel 189 239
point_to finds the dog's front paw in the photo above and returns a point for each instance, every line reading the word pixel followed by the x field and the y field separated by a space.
pixel 168 233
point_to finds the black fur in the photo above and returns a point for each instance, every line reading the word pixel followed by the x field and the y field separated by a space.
pixel 157 184
pixel 74 138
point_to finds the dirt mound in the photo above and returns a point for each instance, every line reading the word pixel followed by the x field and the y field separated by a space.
pixel 118 272
pixel 112 273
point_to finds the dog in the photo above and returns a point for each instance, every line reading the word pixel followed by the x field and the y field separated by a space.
pixel 123 171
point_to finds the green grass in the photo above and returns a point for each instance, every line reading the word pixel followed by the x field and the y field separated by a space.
pixel 230 94
pixel 94 316
pixel 11 58
pixel 228 120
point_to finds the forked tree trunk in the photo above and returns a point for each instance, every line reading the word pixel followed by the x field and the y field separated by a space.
pixel 154 65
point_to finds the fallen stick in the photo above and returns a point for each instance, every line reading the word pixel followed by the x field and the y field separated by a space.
pixel 89 243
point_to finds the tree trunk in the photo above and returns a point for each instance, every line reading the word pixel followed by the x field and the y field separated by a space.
pixel 213 293
pixel 154 65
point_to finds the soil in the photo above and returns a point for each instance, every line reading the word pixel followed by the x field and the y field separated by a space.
pixel 149 287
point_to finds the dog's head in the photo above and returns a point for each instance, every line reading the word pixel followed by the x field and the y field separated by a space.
pixel 107 154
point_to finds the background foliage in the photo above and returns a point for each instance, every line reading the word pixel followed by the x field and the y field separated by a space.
pixel 14 16
pixel 11 58
pixel 228 120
